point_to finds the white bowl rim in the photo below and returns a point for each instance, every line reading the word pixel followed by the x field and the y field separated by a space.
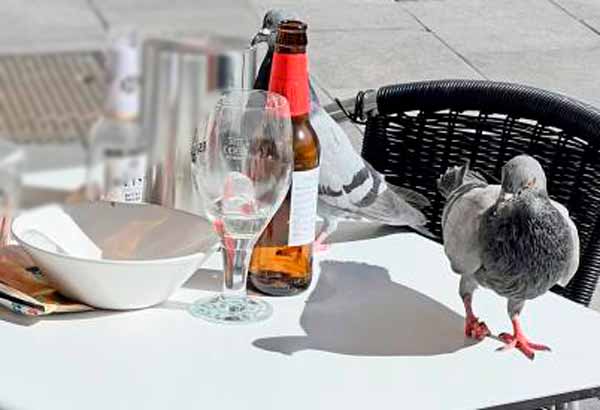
pixel 173 259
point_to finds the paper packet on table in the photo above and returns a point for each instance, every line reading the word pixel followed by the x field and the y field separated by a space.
pixel 24 288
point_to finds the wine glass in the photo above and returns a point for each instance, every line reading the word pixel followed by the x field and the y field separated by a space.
pixel 241 166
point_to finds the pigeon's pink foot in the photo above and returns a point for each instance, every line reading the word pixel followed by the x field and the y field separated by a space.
pixel 520 342
pixel 473 327
pixel 476 329
pixel 319 246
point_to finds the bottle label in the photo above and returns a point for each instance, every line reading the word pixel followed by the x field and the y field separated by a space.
pixel 124 82
pixel 303 207
pixel 289 77
pixel 124 178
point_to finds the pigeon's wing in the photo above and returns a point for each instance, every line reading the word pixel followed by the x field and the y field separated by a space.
pixel 574 262
pixel 414 198
pixel 340 163
pixel 349 183
pixel 463 214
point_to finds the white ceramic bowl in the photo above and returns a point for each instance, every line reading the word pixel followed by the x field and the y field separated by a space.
pixel 148 252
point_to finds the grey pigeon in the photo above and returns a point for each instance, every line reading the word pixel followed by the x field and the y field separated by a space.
pixel 349 187
pixel 511 238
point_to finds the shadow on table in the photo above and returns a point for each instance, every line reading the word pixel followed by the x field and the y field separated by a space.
pixel 351 231
pixel 210 280
pixel 22 320
pixel 205 279
pixel 356 309
pixel 92 314
pixel 9 316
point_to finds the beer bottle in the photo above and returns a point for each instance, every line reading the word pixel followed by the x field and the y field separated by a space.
pixel 281 263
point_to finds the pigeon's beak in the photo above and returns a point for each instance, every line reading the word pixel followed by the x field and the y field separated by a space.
pixel 506 196
pixel 503 199
pixel 261 37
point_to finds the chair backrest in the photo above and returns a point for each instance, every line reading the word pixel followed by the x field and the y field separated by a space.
pixel 420 129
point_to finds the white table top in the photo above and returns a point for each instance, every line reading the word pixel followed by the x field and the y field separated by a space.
pixel 381 327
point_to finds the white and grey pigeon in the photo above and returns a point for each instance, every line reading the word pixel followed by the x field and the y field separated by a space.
pixel 511 238
pixel 349 187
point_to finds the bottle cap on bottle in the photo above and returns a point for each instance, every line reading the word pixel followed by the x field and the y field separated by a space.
pixel 289 70
pixel 291 36
pixel 123 93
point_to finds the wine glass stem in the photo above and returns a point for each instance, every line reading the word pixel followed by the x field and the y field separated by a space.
pixel 236 259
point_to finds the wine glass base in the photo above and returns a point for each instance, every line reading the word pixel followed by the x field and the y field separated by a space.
pixel 231 310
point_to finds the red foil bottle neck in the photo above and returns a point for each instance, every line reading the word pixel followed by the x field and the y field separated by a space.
pixel 289 77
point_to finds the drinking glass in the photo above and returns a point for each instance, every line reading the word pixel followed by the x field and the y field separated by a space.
pixel 242 167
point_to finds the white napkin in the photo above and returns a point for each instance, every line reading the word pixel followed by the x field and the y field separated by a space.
pixel 52 229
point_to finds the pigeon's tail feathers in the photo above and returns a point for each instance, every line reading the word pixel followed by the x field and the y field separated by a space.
pixel 452 179
pixel 455 177
pixel 391 209
pixel 413 198
pixel 425 232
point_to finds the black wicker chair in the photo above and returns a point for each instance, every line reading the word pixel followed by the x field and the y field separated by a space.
pixel 414 131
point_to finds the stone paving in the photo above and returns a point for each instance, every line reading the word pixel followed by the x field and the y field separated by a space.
pixel 356 44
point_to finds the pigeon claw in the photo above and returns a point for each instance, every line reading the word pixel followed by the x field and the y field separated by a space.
pixel 476 329
pixel 319 246
pixel 521 343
